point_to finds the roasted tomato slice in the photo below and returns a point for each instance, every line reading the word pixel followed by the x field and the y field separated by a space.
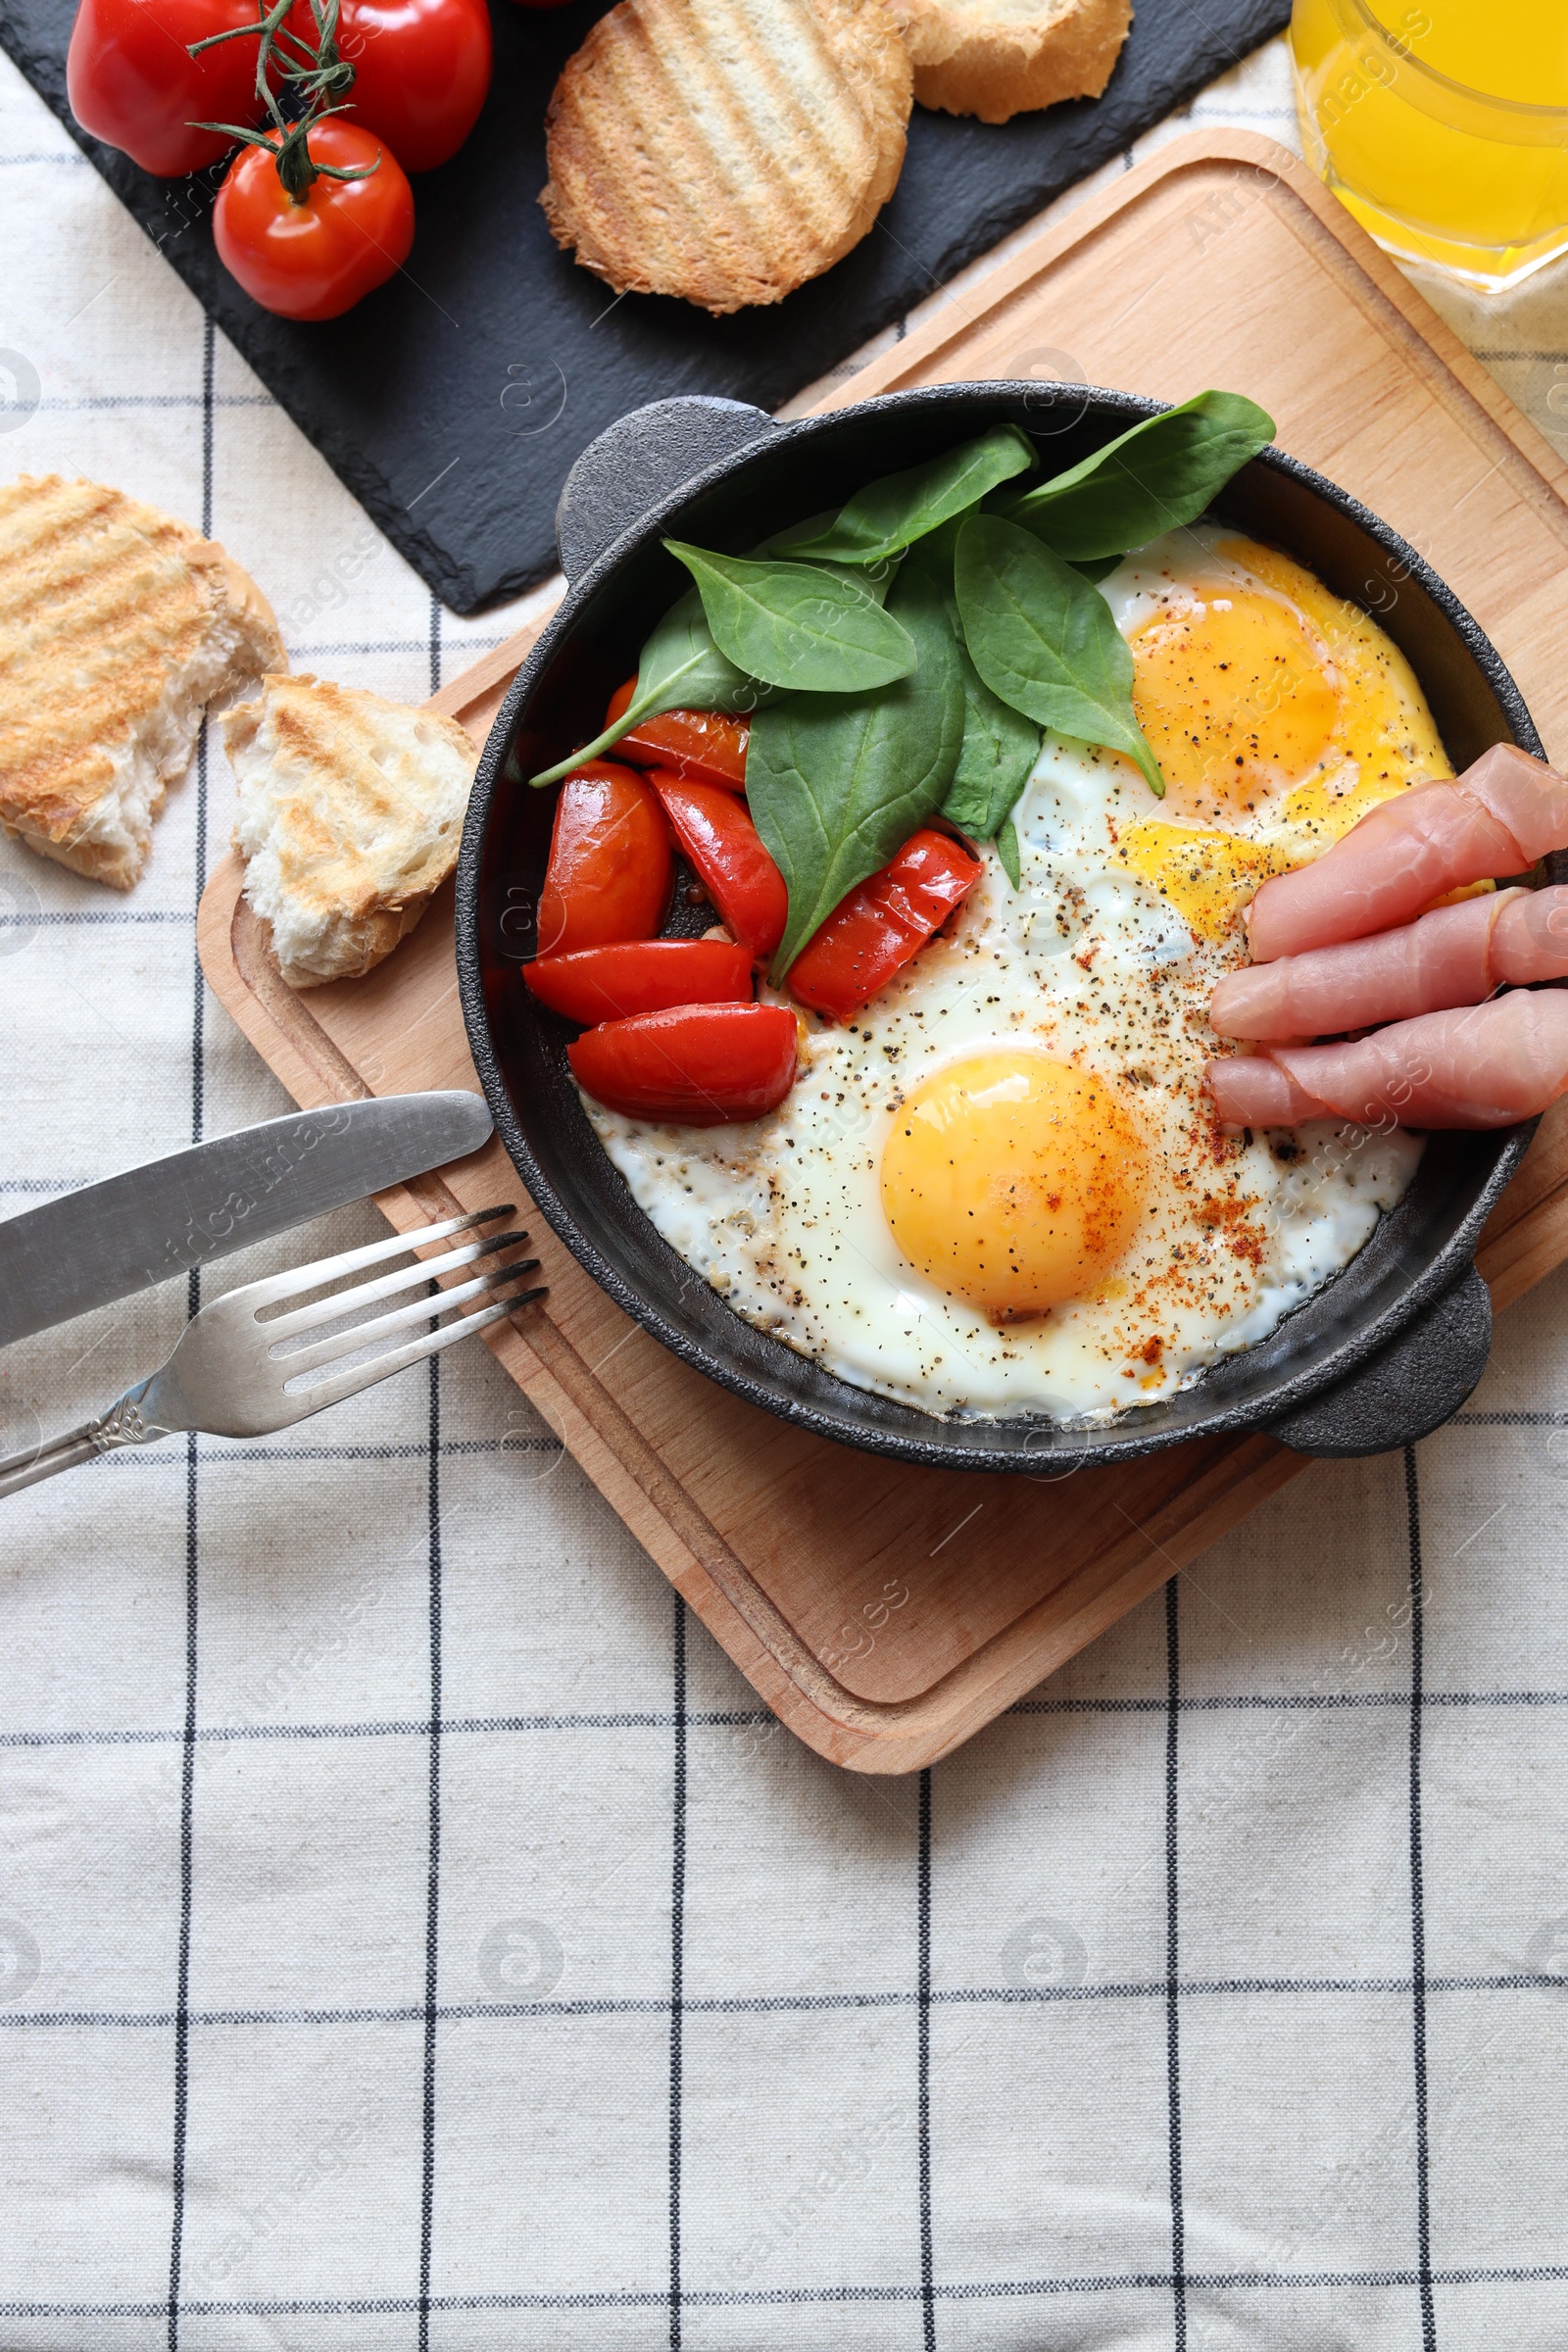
pixel 610 861
pixel 718 835
pixel 701 744
pixel 647 975
pixel 883 921
pixel 704 1066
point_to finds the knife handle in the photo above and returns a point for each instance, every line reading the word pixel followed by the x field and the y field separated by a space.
pixel 122 1425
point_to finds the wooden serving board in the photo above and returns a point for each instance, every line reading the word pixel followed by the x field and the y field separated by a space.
pixel 887 1613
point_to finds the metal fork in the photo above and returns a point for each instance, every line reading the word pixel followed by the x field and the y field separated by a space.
pixel 227 1379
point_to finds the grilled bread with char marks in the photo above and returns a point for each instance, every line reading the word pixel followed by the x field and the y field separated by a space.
pixel 726 151
pixel 118 626
pixel 1000 58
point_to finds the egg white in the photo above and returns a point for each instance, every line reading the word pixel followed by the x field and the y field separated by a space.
pixel 1086 964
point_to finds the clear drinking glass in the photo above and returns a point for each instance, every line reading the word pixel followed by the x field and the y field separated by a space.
pixel 1442 126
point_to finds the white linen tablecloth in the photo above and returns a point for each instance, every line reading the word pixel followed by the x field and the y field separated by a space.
pixel 413 1931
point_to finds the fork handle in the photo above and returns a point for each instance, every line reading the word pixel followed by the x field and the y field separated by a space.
pixel 122 1425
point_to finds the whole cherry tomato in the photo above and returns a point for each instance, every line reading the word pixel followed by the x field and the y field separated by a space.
pixel 610 867
pixel 717 833
pixel 422 69
pixel 707 744
pixel 133 83
pixel 316 255
pixel 644 976
pixel 883 922
pixel 704 1066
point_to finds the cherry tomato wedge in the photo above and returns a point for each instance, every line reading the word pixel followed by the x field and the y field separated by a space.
pixel 610 867
pixel 648 975
pixel 422 69
pixel 133 84
pixel 704 1066
pixel 883 921
pixel 718 835
pixel 703 744
pixel 316 259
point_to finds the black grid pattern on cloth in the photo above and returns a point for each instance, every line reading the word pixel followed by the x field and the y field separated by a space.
pixel 187 1786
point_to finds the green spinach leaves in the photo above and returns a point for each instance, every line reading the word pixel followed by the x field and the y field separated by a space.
pixel 681 670
pixel 1042 637
pixel 837 783
pixel 796 625
pixel 875 708
pixel 1158 476
pixel 892 513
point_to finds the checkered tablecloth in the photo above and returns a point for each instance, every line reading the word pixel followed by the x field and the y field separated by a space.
pixel 412 1932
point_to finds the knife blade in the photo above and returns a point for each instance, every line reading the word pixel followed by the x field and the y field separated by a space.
pixel 105 1240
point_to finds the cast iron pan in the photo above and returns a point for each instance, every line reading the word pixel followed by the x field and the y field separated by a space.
pixel 1379 1356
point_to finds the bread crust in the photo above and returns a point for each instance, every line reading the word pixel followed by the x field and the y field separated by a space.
pixel 726 151
pixel 118 626
pixel 350 816
pixel 986 57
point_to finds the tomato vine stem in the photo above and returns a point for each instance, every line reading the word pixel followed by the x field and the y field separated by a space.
pixel 324 76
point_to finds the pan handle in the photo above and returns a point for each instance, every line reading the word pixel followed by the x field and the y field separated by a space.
pixel 1409 1387
pixel 639 460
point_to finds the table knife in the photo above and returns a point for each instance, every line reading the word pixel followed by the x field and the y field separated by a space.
pixel 108 1240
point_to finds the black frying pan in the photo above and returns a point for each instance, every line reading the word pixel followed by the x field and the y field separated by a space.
pixel 1383 1353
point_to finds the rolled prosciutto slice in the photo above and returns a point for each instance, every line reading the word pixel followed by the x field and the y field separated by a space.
pixel 1455 955
pixel 1489 1065
pixel 1502 814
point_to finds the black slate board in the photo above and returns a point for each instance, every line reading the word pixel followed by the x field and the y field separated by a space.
pixel 453 401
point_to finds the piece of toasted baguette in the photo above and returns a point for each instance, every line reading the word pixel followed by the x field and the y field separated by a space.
pixel 1000 58
pixel 118 626
pixel 726 150
pixel 350 814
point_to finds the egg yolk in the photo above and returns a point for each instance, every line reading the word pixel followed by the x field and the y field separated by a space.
pixel 1236 698
pixel 1014 1180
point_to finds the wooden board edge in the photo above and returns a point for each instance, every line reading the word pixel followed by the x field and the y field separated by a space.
pixel 922 349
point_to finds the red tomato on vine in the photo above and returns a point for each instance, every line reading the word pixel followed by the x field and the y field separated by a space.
pixel 421 71
pixel 309 231
pixel 133 83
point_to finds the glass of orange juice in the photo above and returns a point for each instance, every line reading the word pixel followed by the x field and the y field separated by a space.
pixel 1442 125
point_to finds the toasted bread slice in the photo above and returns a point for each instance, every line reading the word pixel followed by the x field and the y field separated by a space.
pixel 1000 58
pixel 726 150
pixel 350 814
pixel 118 626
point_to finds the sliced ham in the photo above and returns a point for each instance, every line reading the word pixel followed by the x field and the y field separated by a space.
pixel 1489 1065
pixel 1455 955
pixel 1502 814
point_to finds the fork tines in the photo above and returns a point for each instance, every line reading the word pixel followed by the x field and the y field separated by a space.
pixel 498 1285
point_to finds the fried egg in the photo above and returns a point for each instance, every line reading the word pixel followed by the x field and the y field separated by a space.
pixel 1000 1190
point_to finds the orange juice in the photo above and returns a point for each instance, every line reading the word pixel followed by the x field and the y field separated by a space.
pixel 1442 125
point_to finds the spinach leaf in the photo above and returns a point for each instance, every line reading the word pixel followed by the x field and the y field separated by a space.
pixel 681 669
pixel 894 512
pixel 1159 475
pixel 1044 640
pixel 875 578
pixel 995 761
pixel 837 783
pixel 1008 852
pixel 1000 746
pixel 796 625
